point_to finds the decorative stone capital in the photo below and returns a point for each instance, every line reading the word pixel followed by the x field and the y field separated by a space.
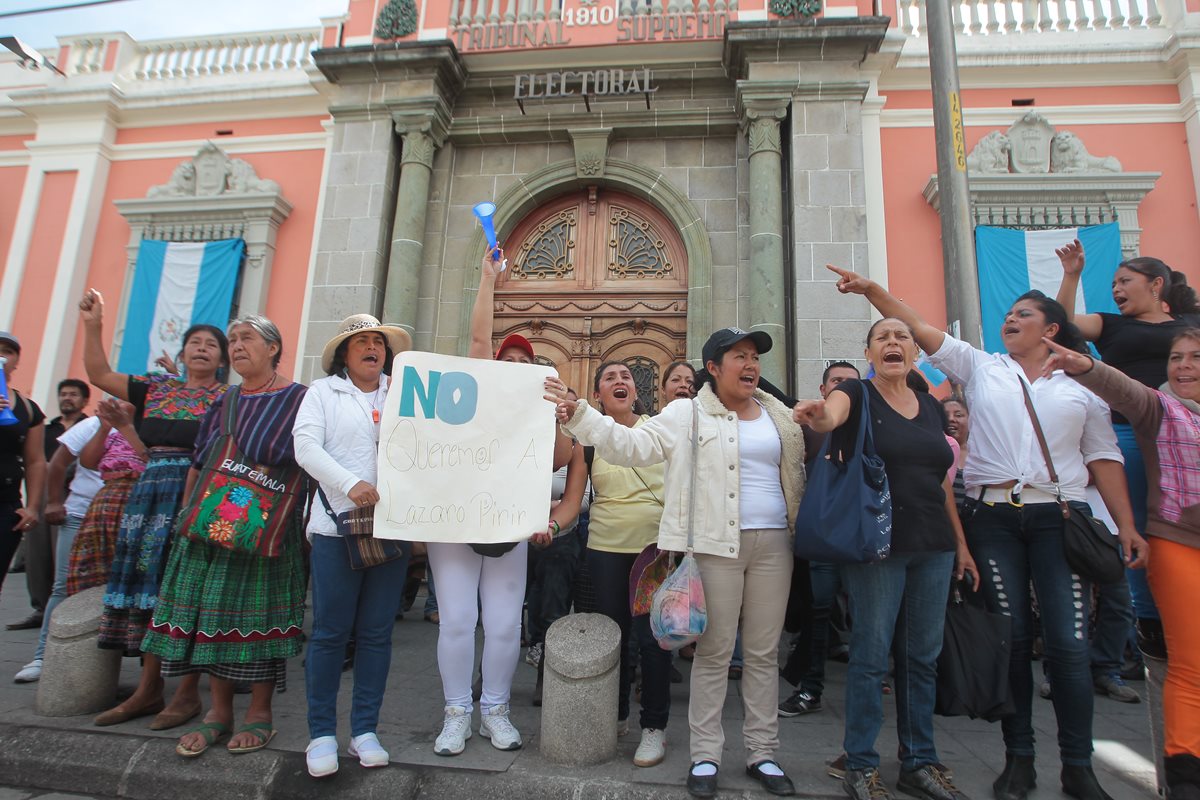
pixel 418 148
pixel 764 136
pixel 591 151
pixel 761 109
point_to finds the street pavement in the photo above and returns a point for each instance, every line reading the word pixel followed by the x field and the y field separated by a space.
pixel 42 754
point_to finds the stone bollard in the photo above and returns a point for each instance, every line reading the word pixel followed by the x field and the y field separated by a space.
pixel 77 677
pixel 579 693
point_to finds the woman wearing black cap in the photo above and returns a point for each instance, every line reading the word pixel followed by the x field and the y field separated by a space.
pixel 749 480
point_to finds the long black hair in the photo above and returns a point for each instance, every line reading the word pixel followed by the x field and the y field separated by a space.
pixel 337 366
pixel 639 407
pixel 1068 335
pixel 1176 293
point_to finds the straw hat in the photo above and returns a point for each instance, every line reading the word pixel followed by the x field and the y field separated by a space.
pixel 396 337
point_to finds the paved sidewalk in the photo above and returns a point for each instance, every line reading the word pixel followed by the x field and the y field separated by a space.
pixel 71 755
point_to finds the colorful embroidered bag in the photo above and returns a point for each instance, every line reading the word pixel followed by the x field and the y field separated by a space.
pixel 238 504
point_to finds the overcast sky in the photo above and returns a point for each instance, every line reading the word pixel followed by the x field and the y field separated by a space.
pixel 157 19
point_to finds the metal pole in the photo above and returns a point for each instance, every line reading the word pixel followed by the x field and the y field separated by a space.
pixel 954 198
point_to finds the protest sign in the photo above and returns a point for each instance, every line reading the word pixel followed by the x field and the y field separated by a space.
pixel 465 451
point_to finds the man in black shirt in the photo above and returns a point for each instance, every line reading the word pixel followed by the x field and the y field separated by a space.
pixel 73 395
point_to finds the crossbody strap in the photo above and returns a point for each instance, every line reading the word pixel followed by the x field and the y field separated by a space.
pixel 1041 437
pixel 695 467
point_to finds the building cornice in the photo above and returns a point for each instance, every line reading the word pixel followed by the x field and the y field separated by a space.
pixel 822 39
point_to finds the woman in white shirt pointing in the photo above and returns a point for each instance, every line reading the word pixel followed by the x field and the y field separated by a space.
pixel 336 439
pixel 1015 533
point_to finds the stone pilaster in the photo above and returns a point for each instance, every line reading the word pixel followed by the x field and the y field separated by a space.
pixel 768 292
pixel 401 295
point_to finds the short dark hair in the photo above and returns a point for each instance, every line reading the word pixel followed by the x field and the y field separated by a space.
pixel 75 383
pixel 222 342
pixel 639 407
pixel 839 365
pixel 878 322
pixel 674 365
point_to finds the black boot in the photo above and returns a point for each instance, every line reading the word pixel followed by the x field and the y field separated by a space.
pixel 1080 783
pixel 1016 780
pixel 1183 777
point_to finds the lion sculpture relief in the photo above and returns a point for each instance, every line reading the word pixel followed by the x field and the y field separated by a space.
pixel 1067 154
pixel 990 156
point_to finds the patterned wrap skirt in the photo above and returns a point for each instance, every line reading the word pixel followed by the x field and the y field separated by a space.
pixel 137 565
pixel 233 615
pixel 92 552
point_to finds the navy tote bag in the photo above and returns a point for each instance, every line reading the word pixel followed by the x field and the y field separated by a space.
pixel 846 514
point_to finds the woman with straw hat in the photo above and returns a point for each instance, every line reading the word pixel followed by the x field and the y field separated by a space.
pixel 336 438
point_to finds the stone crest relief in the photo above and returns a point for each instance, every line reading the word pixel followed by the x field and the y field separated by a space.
pixel 1033 146
pixel 210 173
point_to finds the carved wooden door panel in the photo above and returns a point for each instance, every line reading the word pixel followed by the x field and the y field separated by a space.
pixel 593 276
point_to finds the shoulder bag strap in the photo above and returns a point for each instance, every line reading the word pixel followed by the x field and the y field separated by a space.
pixel 325 502
pixel 229 410
pixel 1041 437
pixel 695 466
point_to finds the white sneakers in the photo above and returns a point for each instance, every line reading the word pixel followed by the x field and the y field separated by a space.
pixel 30 672
pixel 322 756
pixel 495 725
pixel 456 729
pixel 369 751
pixel 652 749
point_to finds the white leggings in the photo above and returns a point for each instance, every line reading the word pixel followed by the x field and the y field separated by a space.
pixel 466 582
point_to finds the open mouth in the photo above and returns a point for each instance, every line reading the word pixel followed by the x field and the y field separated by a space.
pixel 748 380
pixel 682 393
pixel 1009 330
pixel 620 393
pixel 370 358
pixel 1120 300
pixel 893 358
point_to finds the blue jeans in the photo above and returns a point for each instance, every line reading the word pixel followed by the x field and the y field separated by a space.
pixel 1135 476
pixel 1114 628
pixel 551 581
pixel 904 595
pixel 62 566
pixel 1013 546
pixel 345 600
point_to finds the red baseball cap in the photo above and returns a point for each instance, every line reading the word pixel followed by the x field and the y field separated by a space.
pixel 518 341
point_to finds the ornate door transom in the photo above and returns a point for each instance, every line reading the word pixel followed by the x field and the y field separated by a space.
pixel 594 276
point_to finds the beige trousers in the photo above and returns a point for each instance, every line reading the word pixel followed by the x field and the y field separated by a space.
pixel 753 588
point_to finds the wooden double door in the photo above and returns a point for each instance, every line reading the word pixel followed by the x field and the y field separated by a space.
pixel 594 276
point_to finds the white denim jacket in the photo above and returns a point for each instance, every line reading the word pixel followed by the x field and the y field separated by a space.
pixel 668 437
pixel 336 442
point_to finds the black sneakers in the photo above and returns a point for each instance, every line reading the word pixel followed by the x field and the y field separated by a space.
pixel 930 783
pixel 800 702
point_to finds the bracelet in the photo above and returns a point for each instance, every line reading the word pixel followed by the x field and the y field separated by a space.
pixel 557 527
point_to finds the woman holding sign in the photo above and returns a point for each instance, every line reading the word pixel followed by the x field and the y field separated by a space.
pixel 749 474
pixel 337 438
pixel 489 578
pixel 232 599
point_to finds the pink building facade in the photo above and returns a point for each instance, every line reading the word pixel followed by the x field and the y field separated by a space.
pixel 660 169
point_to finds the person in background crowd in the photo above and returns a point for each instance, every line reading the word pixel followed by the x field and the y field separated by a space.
pixel 958 427
pixel 552 568
pixel 471 583
pixel 900 600
pixel 1155 304
pixel 22 459
pixel 117 452
pixel 113 417
pixel 742 545
pixel 336 439
pixel 236 615
pixel 168 413
pixel 624 519
pixel 40 542
pixel 805 667
pixel 1167 425
pixel 1016 529
pixel 678 382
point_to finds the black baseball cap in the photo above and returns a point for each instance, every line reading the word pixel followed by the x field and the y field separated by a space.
pixel 726 338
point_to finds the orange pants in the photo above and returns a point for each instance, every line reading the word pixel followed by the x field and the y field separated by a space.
pixel 1174 574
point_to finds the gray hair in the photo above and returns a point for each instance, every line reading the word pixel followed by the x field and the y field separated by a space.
pixel 268 330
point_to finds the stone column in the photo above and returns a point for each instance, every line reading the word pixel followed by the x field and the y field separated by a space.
pixel 768 308
pixel 408 228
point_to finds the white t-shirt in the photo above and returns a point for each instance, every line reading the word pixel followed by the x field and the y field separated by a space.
pixel 86 482
pixel 761 505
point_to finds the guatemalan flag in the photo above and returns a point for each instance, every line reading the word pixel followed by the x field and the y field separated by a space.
pixel 1011 262
pixel 176 285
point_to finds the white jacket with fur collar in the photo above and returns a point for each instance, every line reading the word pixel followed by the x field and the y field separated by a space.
pixel 668 438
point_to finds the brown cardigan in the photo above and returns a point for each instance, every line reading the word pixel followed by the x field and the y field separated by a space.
pixel 1142 406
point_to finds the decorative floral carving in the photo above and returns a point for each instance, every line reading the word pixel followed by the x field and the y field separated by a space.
pixel 590 164
pixel 764 135
pixel 795 8
pixel 550 251
pixel 635 249
pixel 418 149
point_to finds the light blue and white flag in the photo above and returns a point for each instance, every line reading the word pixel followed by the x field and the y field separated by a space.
pixel 176 285
pixel 1011 262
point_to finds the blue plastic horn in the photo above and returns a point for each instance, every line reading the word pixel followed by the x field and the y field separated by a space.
pixel 7 417
pixel 484 212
